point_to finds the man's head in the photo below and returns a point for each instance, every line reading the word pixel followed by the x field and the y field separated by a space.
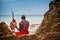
pixel 23 17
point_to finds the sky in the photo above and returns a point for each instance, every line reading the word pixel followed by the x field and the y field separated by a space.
pixel 24 7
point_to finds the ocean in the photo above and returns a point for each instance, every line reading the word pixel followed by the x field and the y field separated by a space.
pixel 34 20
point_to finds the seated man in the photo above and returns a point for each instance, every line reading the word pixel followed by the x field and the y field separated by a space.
pixel 23 26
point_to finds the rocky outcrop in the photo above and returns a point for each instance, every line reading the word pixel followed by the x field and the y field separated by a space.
pixel 4 30
pixel 49 28
pixel 5 33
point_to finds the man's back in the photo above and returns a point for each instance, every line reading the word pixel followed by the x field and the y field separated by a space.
pixel 23 24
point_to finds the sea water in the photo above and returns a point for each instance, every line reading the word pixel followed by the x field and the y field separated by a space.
pixel 33 19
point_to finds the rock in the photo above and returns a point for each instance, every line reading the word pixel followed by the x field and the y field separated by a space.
pixel 5 33
pixel 9 38
pixel 51 36
pixel 50 26
pixel 4 30
pixel 56 28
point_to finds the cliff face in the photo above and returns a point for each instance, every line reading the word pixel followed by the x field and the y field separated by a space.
pixel 49 28
pixel 52 16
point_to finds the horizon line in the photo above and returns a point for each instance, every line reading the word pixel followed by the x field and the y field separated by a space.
pixel 20 15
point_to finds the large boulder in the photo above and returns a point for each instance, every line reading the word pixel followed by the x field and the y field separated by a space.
pixel 6 33
pixel 4 30
pixel 50 26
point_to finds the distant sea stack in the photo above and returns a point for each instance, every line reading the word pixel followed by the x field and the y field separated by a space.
pixel 50 26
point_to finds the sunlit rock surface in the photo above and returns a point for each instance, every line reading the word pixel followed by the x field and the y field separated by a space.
pixel 50 26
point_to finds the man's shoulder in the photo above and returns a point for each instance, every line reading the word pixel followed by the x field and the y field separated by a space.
pixel 27 21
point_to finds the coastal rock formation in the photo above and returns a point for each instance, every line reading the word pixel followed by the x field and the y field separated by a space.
pixel 4 29
pixel 6 33
pixel 49 28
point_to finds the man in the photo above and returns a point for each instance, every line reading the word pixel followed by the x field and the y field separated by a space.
pixel 23 26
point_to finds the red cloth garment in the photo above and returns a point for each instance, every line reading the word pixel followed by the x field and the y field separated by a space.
pixel 25 31
pixel 23 28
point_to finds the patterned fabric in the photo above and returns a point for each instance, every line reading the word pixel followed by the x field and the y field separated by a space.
pixel 13 25
pixel 23 28
pixel 23 24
